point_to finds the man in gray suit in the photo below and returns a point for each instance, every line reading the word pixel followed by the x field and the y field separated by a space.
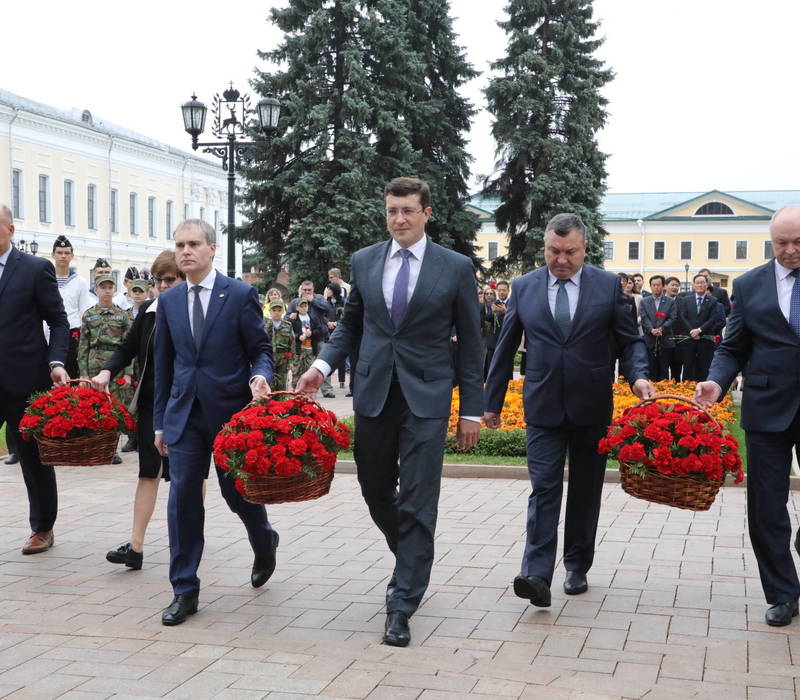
pixel 406 295
pixel 658 313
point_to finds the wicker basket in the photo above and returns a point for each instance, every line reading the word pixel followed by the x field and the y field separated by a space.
pixel 269 488
pixel 88 451
pixel 685 492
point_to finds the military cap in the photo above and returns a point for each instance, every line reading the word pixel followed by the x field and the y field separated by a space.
pixel 131 273
pixel 275 303
pixel 62 242
pixel 100 262
pixel 139 284
pixel 104 278
pixel 300 300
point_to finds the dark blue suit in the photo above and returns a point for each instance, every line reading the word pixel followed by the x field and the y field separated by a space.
pixel 195 394
pixel 761 344
pixel 29 295
pixel 568 404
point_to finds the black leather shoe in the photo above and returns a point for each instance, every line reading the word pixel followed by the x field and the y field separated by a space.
pixel 132 445
pixel 575 583
pixel 116 459
pixel 126 555
pixel 397 633
pixel 328 395
pixel 179 609
pixel 782 614
pixel 12 458
pixel 264 565
pixel 534 589
pixel 391 586
pixel 349 394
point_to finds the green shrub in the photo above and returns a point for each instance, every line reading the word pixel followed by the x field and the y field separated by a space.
pixel 494 443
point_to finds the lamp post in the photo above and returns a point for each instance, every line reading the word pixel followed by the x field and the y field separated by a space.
pixel 232 117
pixel 34 247
pixel 686 269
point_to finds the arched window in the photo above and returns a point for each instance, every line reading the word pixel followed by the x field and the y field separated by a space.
pixel 714 209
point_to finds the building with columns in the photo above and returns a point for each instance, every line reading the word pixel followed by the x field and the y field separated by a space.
pixel 672 233
pixel 114 193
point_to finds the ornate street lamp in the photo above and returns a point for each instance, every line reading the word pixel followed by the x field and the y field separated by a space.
pixel 232 117
pixel 34 247
pixel 686 268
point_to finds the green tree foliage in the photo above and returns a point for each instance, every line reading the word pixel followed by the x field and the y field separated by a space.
pixel 547 110
pixel 363 103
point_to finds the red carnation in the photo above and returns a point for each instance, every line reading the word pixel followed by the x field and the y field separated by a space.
pixel 660 314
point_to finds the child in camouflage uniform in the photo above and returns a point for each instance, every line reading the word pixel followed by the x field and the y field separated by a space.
pixel 308 334
pixel 283 342
pixel 103 328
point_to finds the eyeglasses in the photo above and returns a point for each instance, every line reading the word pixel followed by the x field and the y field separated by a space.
pixel 407 213
pixel 165 280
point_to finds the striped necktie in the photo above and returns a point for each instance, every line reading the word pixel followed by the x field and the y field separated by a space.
pixel 794 303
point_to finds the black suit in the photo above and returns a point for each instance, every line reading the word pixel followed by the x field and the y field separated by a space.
pixel 659 348
pixel 697 354
pixel 762 345
pixel 29 296
pixel 722 297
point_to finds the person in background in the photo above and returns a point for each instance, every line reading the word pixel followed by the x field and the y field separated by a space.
pixel 317 309
pixel 272 294
pixel 672 288
pixel 491 322
pixel 658 313
pixel 123 299
pixel 717 292
pixel 137 345
pixel 335 275
pixel 698 314
pixel 333 295
pixel 283 344
pixel 638 284
pixel 307 333
pixel 101 267
pixel 138 295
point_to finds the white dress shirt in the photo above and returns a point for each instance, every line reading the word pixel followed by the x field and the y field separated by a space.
pixel 76 298
pixel 205 295
pixel 784 282
pixel 4 260
pixel 573 287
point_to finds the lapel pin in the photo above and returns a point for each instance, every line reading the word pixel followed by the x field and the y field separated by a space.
pixel 221 295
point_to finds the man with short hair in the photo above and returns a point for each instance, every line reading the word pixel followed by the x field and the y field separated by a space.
pixel 406 296
pixel 212 356
pixel 318 310
pixel 658 313
pixel 763 340
pixel 29 296
pixel 717 292
pixel 575 319
pixel 638 284
pixel 672 288
pixel 335 275
pixel 697 312
pixel 101 267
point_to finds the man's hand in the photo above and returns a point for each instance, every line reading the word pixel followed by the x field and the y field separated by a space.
pixel 707 393
pixel 467 434
pixel 491 420
pixel 293 316
pixel 331 325
pixel 101 379
pixel 643 389
pixel 161 446
pixel 310 382
pixel 259 387
pixel 59 376
pixel 695 333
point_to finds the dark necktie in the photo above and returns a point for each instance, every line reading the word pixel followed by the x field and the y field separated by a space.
pixel 794 303
pixel 699 304
pixel 400 293
pixel 562 308
pixel 198 318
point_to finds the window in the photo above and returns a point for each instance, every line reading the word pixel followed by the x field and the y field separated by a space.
pixel 170 204
pixel 608 250
pixel 44 199
pixel 633 250
pixel 741 250
pixel 91 206
pixel 113 208
pixel 686 250
pixel 768 250
pixel 713 250
pixel 185 212
pixel 658 250
pixel 492 250
pixel 714 209
pixel 133 202
pixel 202 213
pixel 68 188
pixel 151 217
pixel 16 193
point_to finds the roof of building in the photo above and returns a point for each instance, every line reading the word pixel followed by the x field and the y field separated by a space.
pixel 630 206
pixel 85 119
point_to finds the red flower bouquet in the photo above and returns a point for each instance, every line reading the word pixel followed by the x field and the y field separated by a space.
pixel 75 425
pixel 672 453
pixel 281 448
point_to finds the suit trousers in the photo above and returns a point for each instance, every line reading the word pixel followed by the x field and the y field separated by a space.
pixel 696 356
pixel 188 467
pixel 658 365
pixel 547 448
pixel 397 446
pixel 769 461
pixel 40 480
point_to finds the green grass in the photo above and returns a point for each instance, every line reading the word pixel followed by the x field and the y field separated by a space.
pixel 3 440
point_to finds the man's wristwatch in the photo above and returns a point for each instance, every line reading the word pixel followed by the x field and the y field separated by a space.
pixel 55 364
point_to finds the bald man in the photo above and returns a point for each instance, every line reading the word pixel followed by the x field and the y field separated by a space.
pixel 763 341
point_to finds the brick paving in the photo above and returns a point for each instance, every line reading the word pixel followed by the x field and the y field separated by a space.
pixel 674 608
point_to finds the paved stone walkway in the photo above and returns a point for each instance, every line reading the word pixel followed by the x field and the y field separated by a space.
pixel 674 608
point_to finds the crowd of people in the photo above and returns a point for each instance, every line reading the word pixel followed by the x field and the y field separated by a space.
pixel 187 347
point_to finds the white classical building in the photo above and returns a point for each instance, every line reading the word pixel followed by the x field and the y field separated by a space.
pixel 114 193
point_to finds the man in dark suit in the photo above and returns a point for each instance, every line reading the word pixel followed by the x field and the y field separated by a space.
pixel 763 342
pixel 658 313
pixel 698 314
pixel 28 296
pixel 211 357
pixel 575 319
pixel 406 296
pixel 717 292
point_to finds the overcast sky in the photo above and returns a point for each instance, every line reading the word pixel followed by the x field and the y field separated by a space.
pixel 705 94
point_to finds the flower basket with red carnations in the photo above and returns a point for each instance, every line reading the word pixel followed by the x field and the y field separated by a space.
pixel 281 448
pixel 672 453
pixel 75 425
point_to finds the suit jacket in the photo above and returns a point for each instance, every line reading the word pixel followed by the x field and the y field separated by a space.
pixel 234 348
pixel 761 344
pixel 706 320
pixel 567 379
pixel 647 312
pixel 137 343
pixel 419 349
pixel 29 295
pixel 722 297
